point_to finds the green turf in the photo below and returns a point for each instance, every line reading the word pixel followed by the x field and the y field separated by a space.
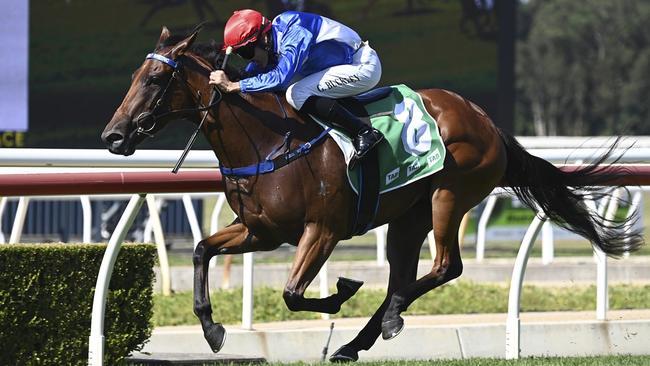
pixel 539 361
pixel 624 360
pixel 458 298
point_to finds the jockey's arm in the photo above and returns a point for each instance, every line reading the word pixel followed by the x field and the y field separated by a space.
pixel 293 52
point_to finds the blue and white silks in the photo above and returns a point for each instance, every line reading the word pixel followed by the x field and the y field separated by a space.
pixel 304 43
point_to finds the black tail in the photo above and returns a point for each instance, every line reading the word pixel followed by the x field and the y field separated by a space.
pixel 561 195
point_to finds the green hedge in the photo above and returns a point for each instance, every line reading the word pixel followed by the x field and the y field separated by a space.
pixel 46 295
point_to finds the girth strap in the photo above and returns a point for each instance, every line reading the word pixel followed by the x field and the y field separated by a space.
pixel 270 165
pixel 368 196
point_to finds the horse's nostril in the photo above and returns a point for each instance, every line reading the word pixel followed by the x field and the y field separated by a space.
pixel 113 137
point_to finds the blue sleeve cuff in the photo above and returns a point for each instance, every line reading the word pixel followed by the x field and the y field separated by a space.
pixel 243 85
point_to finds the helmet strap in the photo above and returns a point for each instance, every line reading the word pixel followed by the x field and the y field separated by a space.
pixel 268 44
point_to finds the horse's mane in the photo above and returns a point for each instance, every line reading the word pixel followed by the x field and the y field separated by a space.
pixel 210 51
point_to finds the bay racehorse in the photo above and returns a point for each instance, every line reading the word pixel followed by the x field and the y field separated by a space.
pixel 309 204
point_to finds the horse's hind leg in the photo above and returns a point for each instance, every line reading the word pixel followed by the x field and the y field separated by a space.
pixel 447 214
pixel 234 239
pixel 315 246
pixel 405 238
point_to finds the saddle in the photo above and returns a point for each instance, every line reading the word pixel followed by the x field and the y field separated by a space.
pixel 356 104
pixel 412 148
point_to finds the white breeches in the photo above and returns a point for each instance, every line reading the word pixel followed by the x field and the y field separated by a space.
pixel 339 81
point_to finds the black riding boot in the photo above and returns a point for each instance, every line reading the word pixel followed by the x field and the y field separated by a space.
pixel 332 112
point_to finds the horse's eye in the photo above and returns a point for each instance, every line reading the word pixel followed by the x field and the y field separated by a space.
pixel 155 80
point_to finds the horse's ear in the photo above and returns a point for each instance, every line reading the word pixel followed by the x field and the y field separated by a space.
pixel 164 35
pixel 183 45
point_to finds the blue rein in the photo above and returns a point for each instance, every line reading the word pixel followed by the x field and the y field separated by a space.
pixel 268 165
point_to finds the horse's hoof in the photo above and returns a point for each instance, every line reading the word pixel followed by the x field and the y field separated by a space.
pixel 391 328
pixel 215 334
pixel 347 287
pixel 344 354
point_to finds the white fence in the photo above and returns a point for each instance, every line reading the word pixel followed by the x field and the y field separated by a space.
pixel 29 161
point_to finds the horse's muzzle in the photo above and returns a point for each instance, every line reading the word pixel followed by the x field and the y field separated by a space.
pixel 117 142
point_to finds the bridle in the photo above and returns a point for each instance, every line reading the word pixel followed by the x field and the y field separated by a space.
pixel 146 121
pixel 269 164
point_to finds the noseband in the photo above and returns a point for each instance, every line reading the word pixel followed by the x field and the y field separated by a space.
pixel 146 121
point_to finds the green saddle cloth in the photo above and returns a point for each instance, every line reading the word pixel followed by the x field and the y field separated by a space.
pixel 412 148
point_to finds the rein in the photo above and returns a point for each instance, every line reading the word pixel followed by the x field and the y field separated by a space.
pixel 144 117
pixel 147 121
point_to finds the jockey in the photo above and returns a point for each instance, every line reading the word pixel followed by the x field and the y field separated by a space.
pixel 315 59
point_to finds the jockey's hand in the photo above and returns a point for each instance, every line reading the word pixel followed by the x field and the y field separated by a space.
pixel 219 79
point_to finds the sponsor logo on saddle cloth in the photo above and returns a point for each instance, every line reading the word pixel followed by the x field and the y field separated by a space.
pixel 412 149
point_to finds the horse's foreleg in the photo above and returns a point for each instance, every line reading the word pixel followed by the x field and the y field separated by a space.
pixel 446 266
pixel 315 246
pixel 405 238
pixel 234 239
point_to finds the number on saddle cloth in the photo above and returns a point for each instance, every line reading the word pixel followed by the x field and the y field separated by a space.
pixel 413 148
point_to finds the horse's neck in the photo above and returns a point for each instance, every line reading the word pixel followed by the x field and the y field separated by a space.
pixel 238 128
pixel 246 128
pixel 251 126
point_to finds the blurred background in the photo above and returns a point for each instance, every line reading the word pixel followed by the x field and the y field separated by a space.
pixel 81 54
pixel 544 68
pixel 552 67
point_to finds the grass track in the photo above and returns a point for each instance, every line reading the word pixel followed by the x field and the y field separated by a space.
pixel 551 361
pixel 449 299
pixel 537 361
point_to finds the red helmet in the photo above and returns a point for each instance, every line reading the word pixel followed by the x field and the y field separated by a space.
pixel 244 27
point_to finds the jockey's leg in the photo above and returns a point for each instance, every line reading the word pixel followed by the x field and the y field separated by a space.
pixel 233 239
pixel 332 112
pixel 317 94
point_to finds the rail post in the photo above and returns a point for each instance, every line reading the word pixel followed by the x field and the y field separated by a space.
pixel 323 285
pixel 159 239
pixel 3 204
pixel 192 219
pixel 247 289
pixel 19 220
pixel 86 210
pixel 481 233
pixel 380 234
pixel 96 339
pixel 548 251
pixel 513 322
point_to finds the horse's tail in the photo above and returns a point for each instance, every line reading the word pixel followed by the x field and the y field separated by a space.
pixel 561 195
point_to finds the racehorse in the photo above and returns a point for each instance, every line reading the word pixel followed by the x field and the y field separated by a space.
pixel 308 203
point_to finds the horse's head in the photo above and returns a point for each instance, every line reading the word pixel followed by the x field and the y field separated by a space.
pixel 158 87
